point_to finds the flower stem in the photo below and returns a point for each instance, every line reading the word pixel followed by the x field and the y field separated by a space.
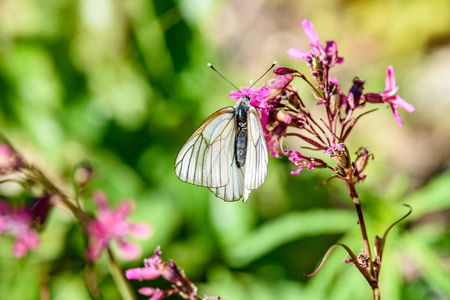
pixel 376 293
pixel 354 195
pixel 362 224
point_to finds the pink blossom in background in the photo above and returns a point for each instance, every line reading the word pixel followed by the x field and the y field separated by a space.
pixel 17 222
pixel 10 161
pixel 111 225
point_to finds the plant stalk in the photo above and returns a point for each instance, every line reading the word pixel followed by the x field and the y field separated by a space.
pixel 355 198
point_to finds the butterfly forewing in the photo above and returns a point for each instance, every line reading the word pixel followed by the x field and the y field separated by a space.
pixel 257 156
pixel 207 156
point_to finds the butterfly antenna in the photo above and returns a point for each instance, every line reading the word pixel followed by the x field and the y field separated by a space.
pixel 209 65
pixel 271 67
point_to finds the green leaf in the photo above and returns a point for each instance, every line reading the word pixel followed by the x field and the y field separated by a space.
pixel 431 265
pixel 288 228
pixel 432 197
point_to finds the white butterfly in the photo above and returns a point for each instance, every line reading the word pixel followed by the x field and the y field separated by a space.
pixel 227 153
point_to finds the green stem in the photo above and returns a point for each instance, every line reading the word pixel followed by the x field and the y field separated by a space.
pixel 362 224
pixel 376 293
pixel 118 276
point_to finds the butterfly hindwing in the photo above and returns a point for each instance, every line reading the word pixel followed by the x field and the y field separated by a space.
pixel 257 156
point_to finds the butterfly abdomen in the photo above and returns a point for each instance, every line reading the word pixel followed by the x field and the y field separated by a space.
pixel 241 111
pixel 241 147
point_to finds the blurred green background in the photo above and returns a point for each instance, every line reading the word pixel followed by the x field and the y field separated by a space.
pixel 123 84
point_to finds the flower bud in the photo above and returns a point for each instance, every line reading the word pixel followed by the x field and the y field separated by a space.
pixel 317 70
pixel 362 160
pixel 355 92
pixel 339 154
pixel 335 103
pixel 378 247
pixel 171 273
pixel 373 98
pixel 364 260
pixel 283 116
pixel 284 71
pixel 341 161
pixel 40 208
pixel 316 65
pixel 83 174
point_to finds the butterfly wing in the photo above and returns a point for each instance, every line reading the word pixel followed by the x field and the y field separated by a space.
pixel 235 189
pixel 257 156
pixel 207 157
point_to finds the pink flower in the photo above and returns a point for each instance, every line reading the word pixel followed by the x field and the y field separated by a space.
pixel 328 55
pixel 281 80
pixel 336 150
pixel 111 225
pixel 245 91
pixel 305 162
pixel 155 267
pixel 389 96
pixel 274 145
pixel 278 132
pixel 17 222
pixel 339 154
pixel 147 273
pixel 395 100
pixel 156 294
pixel 256 96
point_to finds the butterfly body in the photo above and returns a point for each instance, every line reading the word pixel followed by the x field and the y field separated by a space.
pixel 241 111
pixel 227 153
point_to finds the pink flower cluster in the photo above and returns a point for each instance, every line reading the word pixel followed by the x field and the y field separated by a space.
pixel 283 112
pixel 155 267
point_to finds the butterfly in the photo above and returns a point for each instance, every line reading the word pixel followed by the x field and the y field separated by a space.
pixel 227 153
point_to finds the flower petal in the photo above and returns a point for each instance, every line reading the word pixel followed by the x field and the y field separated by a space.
pixel 236 95
pixel 390 79
pixel 142 273
pixel 296 172
pixel 405 105
pixel 129 251
pixel 396 114
pixel 141 231
pixel 311 33
pixel 297 53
